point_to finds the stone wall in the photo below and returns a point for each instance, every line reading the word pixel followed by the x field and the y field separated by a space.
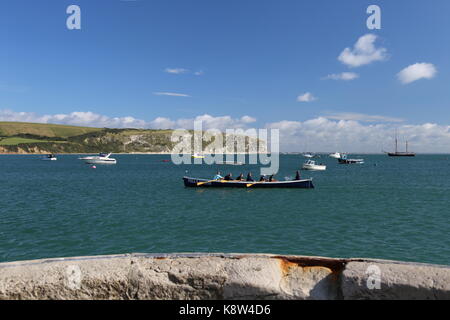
pixel 221 276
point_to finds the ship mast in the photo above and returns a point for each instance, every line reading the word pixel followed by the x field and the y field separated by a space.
pixel 396 142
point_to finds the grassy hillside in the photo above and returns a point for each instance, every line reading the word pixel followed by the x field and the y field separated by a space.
pixel 8 129
pixel 20 137
pixel 13 141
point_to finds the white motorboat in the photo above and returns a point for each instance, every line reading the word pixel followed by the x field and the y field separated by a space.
pixel 336 155
pixel 311 165
pixel 345 160
pixel 49 157
pixel 308 155
pixel 102 158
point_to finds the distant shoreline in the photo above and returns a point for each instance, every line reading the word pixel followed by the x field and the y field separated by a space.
pixel 168 153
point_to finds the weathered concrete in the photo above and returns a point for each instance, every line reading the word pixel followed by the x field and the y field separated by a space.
pixel 397 281
pixel 221 276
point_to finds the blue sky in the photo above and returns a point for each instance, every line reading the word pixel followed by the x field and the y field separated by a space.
pixel 254 58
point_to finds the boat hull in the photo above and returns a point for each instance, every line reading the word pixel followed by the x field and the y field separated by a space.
pixel 97 161
pixel 301 184
pixel 351 161
pixel 401 154
pixel 336 155
pixel 230 163
pixel 314 167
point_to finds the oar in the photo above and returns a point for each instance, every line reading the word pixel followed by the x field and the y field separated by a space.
pixel 250 184
pixel 205 182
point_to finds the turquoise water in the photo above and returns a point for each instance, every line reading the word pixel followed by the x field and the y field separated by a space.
pixel 390 208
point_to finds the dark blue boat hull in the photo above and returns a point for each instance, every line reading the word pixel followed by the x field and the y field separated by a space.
pixel 301 184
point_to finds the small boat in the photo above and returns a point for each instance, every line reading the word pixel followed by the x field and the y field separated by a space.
pixel 194 182
pixel 49 157
pixel 311 165
pixel 344 160
pixel 198 156
pixel 336 155
pixel 231 163
pixel 308 155
pixel 102 158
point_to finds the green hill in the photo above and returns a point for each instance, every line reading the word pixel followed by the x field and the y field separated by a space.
pixel 8 129
pixel 21 137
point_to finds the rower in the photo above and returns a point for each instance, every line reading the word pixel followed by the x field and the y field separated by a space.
pixel 263 178
pixel 218 176
pixel 271 178
pixel 228 177
pixel 241 176
pixel 297 176
pixel 249 177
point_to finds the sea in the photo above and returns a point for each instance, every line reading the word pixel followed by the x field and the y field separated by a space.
pixel 386 208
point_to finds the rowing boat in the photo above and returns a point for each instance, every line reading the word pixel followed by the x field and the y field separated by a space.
pixel 194 182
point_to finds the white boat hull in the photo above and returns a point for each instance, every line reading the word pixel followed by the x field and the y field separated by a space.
pixel 335 155
pixel 311 165
pixel 101 161
pixel 49 159
pixel 314 167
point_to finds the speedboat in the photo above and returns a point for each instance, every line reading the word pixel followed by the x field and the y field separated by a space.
pixel 345 160
pixel 49 157
pixel 336 155
pixel 308 155
pixel 198 156
pixel 311 165
pixel 102 158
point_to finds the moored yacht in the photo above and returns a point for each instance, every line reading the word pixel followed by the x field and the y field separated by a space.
pixel 336 155
pixel 102 158
pixel 49 157
pixel 345 160
pixel 311 165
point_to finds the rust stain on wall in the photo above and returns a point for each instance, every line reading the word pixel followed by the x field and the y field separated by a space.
pixel 334 265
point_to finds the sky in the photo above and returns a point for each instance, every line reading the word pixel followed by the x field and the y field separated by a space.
pixel 311 69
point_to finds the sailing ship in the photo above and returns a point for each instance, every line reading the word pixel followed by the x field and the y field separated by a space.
pixel 400 153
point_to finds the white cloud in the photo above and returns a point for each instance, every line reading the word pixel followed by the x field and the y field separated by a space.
pixel 417 71
pixel 306 97
pixel 176 70
pixel 326 135
pixel 354 133
pixel 172 94
pixel 77 118
pixel 248 119
pixel 199 73
pixel 361 117
pixel 342 76
pixel 92 119
pixel 211 122
pixel 363 52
